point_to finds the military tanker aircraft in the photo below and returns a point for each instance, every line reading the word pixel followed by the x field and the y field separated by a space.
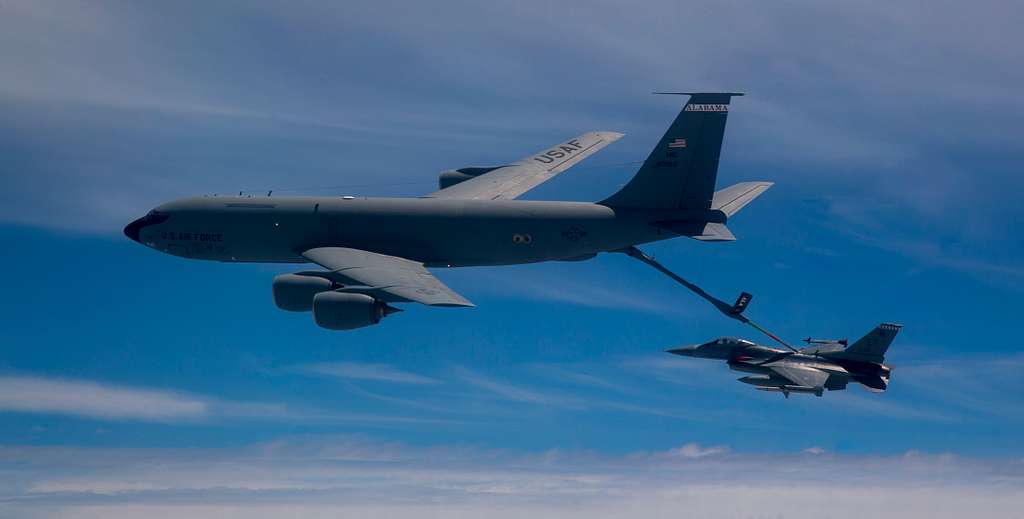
pixel 824 364
pixel 376 251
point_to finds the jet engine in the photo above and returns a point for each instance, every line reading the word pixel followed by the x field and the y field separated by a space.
pixel 454 176
pixel 348 311
pixel 295 292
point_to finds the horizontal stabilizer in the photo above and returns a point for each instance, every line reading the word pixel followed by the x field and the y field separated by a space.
pixel 715 232
pixel 874 384
pixel 703 231
pixel 733 198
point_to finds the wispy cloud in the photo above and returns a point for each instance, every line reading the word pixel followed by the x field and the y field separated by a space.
pixel 591 284
pixel 96 400
pixel 984 387
pixel 569 401
pixel 518 393
pixel 104 401
pixel 675 370
pixel 935 254
pixel 580 375
pixel 692 450
pixel 588 293
pixel 882 225
pixel 876 404
pixel 360 371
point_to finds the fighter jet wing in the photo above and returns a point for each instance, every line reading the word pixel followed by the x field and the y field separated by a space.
pixel 508 182
pixel 389 277
pixel 800 376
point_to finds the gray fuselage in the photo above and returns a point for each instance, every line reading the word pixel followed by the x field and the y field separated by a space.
pixel 746 356
pixel 436 232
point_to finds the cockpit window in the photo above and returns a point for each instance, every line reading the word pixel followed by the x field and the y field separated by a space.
pixel 152 218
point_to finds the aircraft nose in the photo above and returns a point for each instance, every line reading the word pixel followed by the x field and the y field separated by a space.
pixel 686 351
pixel 132 230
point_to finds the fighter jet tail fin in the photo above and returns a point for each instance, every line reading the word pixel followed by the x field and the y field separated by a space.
pixel 871 347
pixel 680 172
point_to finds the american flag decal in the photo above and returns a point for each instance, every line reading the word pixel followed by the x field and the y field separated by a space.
pixel 677 143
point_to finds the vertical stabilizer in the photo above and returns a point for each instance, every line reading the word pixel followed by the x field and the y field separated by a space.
pixel 680 172
pixel 871 347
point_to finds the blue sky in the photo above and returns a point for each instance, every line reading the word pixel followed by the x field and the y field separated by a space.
pixel 133 383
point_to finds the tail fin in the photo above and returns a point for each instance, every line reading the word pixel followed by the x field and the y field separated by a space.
pixel 872 347
pixel 680 172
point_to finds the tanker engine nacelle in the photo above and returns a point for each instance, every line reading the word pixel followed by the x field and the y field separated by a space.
pixel 303 292
pixel 347 311
pixel 295 292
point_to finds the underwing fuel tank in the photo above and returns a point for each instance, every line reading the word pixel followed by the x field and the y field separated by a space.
pixel 779 386
pixel 762 381
pixel 786 390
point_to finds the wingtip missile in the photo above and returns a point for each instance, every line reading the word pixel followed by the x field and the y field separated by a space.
pixel 812 340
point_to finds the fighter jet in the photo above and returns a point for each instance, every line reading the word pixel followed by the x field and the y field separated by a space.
pixel 375 251
pixel 825 364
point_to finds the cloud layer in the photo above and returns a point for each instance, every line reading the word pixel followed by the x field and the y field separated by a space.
pixel 352 476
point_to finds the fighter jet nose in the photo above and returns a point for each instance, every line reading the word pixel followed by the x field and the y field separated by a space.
pixel 686 351
pixel 132 230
